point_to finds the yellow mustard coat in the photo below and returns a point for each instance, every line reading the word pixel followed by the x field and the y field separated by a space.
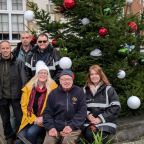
pixel 25 100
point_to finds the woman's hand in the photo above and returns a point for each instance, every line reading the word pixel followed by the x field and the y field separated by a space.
pixel 90 117
pixel 39 121
pixel 94 120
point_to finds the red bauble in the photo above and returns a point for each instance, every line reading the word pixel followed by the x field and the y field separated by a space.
pixel 103 32
pixel 54 42
pixel 34 40
pixel 69 4
pixel 133 26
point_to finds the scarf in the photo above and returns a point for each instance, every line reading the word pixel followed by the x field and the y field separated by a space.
pixel 41 100
pixel 94 88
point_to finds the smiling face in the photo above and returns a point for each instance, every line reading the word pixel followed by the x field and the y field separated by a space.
pixel 42 42
pixel 5 50
pixel 94 77
pixel 66 82
pixel 42 76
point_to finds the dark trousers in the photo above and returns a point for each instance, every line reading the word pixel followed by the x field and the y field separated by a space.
pixel 5 115
pixel 30 134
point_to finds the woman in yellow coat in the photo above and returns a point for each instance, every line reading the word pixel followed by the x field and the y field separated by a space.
pixel 33 102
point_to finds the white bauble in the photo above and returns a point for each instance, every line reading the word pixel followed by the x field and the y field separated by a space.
pixel 133 102
pixel 121 74
pixel 85 21
pixel 129 1
pixel 96 53
pixel 29 15
pixel 65 63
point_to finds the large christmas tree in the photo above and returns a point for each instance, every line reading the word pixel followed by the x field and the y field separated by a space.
pixel 100 32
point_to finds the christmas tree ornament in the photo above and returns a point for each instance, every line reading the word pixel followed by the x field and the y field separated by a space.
pixel 107 11
pixel 129 2
pixel 29 15
pixel 69 4
pixel 102 32
pixel 96 53
pixel 85 21
pixel 133 102
pixel 65 63
pixel 133 26
pixel 123 51
pixel 121 74
pixel 34 39
pixel 54 42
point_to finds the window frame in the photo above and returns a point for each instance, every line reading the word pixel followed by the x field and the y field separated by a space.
pixel 10 12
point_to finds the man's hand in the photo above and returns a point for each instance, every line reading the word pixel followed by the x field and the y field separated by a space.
pixel 53 132
pixel 67 130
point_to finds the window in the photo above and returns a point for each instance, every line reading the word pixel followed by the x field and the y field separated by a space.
pixel 17 5
pixel 11 19
pixel 17 26
pixel 3 5
pixel 4 27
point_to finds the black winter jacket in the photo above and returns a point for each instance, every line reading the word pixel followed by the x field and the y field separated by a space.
pixel 65 109
pixel 17 77
pixel 50 56
pixel 105 105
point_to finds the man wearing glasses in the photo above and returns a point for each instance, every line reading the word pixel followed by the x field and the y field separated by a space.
pixel 45 52
pixel 65 111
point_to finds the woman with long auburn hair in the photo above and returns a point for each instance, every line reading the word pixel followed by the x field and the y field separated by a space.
pixel 103 105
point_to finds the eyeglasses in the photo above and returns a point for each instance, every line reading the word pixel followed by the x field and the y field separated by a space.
pixel 44 41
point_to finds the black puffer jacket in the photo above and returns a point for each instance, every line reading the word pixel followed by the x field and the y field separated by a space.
pixel 65 109
pixel 50 56
pixel 17 77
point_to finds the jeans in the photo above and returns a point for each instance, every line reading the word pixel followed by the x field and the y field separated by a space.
pixel 30 134
pixel 5 115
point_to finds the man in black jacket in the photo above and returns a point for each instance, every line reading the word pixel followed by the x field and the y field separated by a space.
pixel 45 52
pixel 12 79
pixel 24 48
pixel 65 111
